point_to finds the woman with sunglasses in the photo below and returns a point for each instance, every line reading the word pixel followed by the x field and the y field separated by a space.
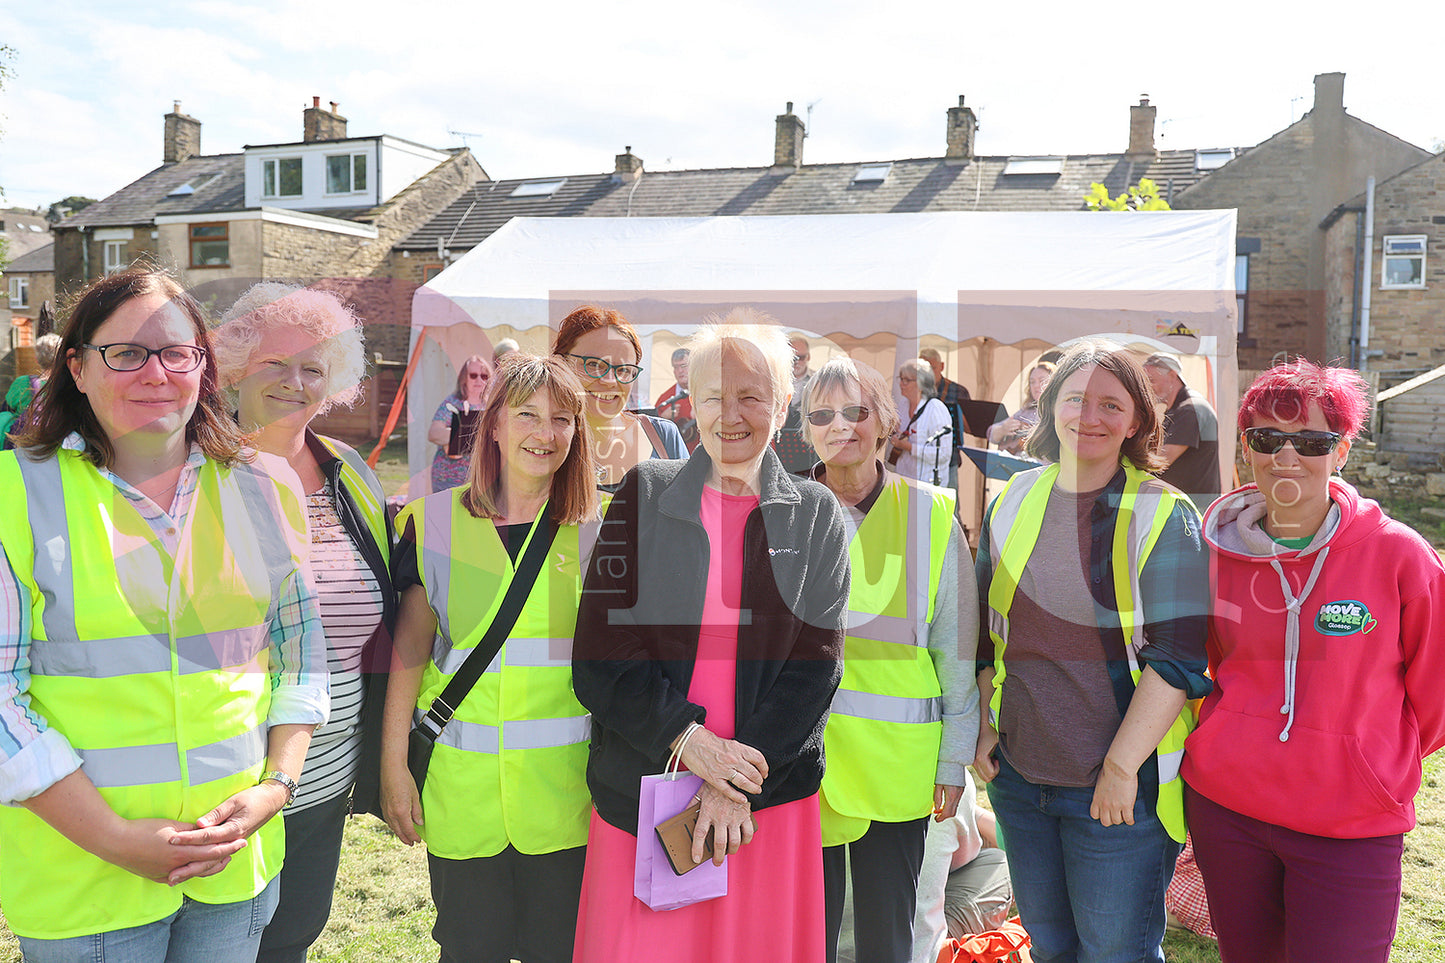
pixel 1327 646
pixel 605 352
pixel 450 470
pixel 162 663
pixel 904 721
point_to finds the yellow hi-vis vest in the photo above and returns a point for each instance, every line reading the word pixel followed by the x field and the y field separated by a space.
pixel 511 765
pixel 365 490
pixel 886 724
pixel 155 667
pixel 1145 506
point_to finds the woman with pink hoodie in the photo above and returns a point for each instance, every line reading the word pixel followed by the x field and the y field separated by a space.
pixel 1327 647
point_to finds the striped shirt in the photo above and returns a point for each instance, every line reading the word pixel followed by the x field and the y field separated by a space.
pixel 351 607
pixel 33 757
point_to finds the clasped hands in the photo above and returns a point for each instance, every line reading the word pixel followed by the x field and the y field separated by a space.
pixel 171 852
pixel 728 769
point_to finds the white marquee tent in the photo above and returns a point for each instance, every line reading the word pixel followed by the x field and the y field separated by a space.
pixel 991 291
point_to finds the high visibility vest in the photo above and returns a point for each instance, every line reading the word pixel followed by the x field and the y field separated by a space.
pixel 510 767
pixel 886 725
pixel 156 668
pixel 365 490
pixel 1145 506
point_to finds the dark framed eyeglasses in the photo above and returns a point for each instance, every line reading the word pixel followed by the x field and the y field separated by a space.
pixel 597 369
pixel 822 417
pixel 1312 444
pixel 125 356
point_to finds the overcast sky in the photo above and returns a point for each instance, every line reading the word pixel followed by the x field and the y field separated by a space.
pixel 559 88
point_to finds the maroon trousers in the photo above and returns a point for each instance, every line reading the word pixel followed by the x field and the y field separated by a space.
pixel 1280 895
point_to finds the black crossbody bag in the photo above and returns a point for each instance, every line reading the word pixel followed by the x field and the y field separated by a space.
pixel 424 734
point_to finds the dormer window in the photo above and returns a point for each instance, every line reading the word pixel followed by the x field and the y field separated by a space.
pixel 281 177
pixel 345 173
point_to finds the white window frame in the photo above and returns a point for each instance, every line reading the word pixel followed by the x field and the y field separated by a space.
pixel 19 292
pixel 114 256
pixel 1241 290
pixel 351 172
pixel 273 165
pixel 1406 247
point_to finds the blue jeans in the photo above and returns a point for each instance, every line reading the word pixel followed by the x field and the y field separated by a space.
pixel 1086 893
pixel 195 933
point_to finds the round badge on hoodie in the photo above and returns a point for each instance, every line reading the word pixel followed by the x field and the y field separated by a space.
pixel 1345 617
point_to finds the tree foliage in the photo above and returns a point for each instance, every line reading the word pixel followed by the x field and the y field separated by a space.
pixel 73 204
pixel 1143 196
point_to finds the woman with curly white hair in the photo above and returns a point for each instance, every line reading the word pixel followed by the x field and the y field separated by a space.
pixel 291 353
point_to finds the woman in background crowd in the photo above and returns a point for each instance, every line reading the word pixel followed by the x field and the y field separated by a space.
pixel 448 470
pixel 736 667
pixel 290 354
pixel 1012 433
pixel 1095 588
pixel 1327 646
pixel 904 722
pixel 503 811
pixel 23 389
pixel 161 675
pixel 922 452
pixel 606 354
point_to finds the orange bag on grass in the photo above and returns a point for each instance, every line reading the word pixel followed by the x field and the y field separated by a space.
pixel 1007 944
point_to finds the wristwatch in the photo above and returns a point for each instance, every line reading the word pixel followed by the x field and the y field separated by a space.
pixel 276 775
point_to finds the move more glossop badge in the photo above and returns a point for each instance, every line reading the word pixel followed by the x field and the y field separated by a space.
pixel 1344 618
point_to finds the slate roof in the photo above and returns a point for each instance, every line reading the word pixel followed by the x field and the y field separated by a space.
pixel 20 231
pixel 219 185
pixel 924 184
pixel 40 259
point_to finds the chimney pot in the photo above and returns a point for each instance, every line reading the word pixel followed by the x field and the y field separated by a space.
pixel 788 139
pixel 334 105
pixel 1141 132
pixel 315 101
pixel 962 124
pixel 182 136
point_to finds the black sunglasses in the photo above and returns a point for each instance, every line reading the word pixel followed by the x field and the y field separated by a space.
pixel 822 417
pixel 1311 444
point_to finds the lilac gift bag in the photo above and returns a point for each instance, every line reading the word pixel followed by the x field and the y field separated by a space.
pixel 660 798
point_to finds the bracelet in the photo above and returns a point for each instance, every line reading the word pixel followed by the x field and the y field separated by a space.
pixel 289 784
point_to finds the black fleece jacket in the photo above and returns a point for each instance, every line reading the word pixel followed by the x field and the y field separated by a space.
pixel 638 625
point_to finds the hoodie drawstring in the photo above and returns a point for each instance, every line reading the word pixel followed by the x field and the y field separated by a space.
pixel 1291 634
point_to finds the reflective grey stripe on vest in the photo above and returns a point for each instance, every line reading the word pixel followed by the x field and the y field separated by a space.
pixel 520 734
pixel 526 653
pixel 45 494
pixel 870 705
pixel 917 574
pixel 229 648
pixel 434 544
pixel 255 487
pixel 99 658
pixel 884 628
pixel 150 765
pixel 1169 763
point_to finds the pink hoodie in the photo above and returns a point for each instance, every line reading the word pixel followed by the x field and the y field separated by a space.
pixel 1321 709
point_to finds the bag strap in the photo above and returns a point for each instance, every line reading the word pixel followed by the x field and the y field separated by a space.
pixel 653 436
pixel 444 706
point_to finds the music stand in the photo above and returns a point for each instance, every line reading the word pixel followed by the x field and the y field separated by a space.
pixel 979 416
pixel 998 465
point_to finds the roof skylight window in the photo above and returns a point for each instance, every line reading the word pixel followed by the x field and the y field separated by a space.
pixel 1034 165
pixel 872 173
pixel 539 188
pixel 1209 160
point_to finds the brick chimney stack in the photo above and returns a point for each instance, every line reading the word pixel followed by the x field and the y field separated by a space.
pixel 788 143
pixel 961 127
pixel 1330 92
pixel 629 167
pixel 1141 131
pixel 183 136
pixel 317 123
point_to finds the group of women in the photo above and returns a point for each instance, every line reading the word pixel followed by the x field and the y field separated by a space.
pixel 255 639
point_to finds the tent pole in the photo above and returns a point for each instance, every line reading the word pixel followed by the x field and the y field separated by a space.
pixel 396 403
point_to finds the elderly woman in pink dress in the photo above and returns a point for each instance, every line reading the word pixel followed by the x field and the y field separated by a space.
pixel 712 618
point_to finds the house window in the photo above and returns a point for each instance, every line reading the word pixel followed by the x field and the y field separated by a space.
pixel 19 293
pixel 281 177
pixel 345 173
pixel 210 245
pixel 1241 289
pixel 1404 263
pixel 430 271
pixel 114 256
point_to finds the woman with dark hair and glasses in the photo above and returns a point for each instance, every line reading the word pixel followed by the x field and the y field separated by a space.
pixel 605 352
pixel 162 663
pixel 1327 651
pixel 904 721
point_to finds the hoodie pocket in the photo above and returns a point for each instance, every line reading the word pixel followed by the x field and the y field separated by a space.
pixel 1318 782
